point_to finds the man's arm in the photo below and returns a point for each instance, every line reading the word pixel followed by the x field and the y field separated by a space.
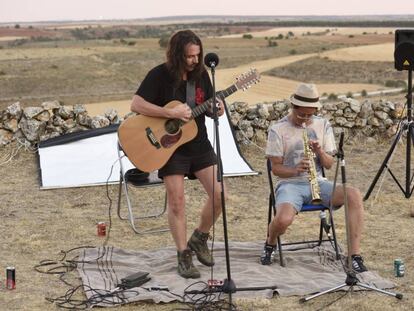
pixel 140 105
pixel 325 158
pixel 284 171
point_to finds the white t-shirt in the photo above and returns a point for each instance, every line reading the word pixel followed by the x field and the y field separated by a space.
pixel 285 140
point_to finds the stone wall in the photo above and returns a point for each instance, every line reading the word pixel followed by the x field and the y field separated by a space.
pixel 366 118
pixel 33 124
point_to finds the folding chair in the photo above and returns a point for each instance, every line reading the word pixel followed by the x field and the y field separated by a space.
pixel 305 208
pixel 126 183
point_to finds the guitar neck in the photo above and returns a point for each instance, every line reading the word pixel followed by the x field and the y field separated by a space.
pixel 207 104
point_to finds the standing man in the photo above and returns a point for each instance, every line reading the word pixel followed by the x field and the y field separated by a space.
pixel 285 149
pixel 169 81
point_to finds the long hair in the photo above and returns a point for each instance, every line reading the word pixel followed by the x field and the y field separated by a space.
pixel 176 58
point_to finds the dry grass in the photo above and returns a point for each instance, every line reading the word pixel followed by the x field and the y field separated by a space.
pixel 36 225
pixel 376 52
pixel 325 70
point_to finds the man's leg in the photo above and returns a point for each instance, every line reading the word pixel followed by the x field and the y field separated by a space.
pixel 174 185
pixel 208 178
pixel 355 221
pixel 355 214
pixel 284 217
pixel 209 214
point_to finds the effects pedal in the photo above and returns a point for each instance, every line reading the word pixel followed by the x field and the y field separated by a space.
pixel 215 283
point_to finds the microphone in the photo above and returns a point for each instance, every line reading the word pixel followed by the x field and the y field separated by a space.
pixel 325 225
pixel 211 60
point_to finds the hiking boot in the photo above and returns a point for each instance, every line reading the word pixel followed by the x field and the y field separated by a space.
pixel 268 253
pixel 198 244
pixel 185 265
pixel 358 264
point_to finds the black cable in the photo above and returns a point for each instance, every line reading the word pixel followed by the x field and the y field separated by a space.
pixel 206 301
pixel 111 298
pixel 108 231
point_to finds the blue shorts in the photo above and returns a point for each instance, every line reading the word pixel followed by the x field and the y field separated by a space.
pixel 298 193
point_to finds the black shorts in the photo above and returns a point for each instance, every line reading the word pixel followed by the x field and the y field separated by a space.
pixel 180 164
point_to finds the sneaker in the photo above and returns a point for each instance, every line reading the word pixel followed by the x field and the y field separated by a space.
pixel 198 244
pixel 185 265
pixel 358 264
pixel 268 254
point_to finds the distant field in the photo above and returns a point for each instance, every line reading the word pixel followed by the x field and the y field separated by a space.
pixel 107 72
pixel 323 69
pixel 11 38
pixel 378 52
pixel 299 31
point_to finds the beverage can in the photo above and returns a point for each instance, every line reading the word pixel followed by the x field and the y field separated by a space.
pixel 399 268
pixel 101 228
pixel 11 278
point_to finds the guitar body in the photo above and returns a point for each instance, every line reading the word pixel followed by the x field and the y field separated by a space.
pixel 149 142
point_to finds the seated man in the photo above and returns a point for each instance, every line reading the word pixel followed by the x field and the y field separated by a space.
pixel 285 149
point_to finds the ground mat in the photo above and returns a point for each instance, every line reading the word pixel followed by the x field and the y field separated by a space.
pixel 308 270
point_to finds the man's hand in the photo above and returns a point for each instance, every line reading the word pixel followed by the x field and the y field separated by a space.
pixel 182 112
pixel 220 108
pixel 302 166
pixel 316 148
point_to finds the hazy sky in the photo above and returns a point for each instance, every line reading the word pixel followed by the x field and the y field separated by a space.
pixel 43 10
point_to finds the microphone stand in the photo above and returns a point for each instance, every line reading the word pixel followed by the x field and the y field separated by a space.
pixel 228 287
pixel 408 126
pixel 351 278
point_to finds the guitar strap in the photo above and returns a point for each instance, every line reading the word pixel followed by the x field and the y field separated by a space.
pixel 190 93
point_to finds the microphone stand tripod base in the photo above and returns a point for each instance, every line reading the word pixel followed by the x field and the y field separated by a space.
pixel 351 280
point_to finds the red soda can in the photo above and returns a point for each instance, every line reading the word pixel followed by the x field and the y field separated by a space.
pixel 101 228
pixel 11 278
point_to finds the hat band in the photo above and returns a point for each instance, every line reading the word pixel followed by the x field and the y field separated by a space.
pixel 306 99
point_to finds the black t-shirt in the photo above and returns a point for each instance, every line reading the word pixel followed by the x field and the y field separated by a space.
pixel 158 88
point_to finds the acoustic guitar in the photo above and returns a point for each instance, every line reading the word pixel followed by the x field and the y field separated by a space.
pixel 149 142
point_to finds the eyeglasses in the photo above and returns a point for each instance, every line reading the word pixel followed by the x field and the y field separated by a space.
pixel 303 116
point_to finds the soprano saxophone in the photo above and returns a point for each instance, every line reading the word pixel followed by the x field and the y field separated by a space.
pixel 313 175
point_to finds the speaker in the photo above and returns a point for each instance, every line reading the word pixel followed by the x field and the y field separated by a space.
pixel 404 49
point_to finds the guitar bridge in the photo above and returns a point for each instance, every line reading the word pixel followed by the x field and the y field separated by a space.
pixel 151 137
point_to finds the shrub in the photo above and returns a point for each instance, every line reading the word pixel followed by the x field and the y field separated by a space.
pixel 349 95
pixel 333 96
pixel 163 41
pixel 247 36
pixel 2 73
pixel 293 52
pixel 271 43
pixel 364 93
pixel 396 83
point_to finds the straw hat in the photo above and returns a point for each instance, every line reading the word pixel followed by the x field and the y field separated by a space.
pixel 306 95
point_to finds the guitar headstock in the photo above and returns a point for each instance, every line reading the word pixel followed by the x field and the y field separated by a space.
pixel 245 80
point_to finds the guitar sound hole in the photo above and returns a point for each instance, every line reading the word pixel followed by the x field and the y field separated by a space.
pixel 172 126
